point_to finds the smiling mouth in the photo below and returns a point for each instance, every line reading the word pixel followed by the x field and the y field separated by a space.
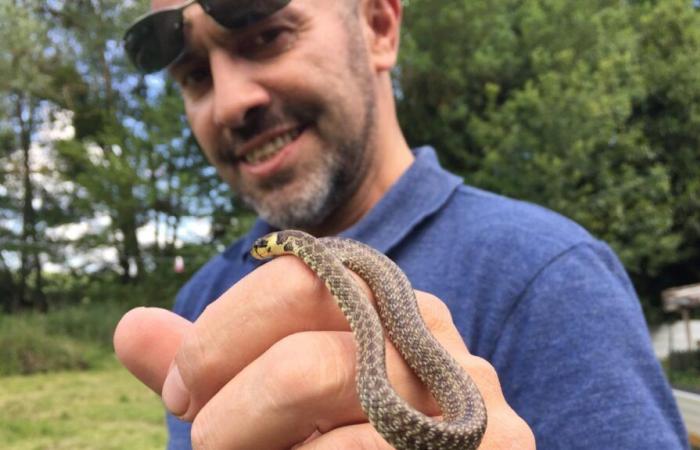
pixel 271 148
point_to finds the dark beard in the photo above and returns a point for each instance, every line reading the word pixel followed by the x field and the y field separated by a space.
pixel 337 179
pixel 345 167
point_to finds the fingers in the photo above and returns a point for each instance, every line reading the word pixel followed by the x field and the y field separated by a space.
pixel 279 299
pixel 302 385
pixel 146 341
pixel 272 363
pixel 439 320
pixel 505 429
pixel 284 396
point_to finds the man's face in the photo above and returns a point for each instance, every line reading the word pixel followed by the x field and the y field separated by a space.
pixel 284 108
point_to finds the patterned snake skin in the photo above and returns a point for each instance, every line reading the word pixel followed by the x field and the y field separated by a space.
pixel 402 426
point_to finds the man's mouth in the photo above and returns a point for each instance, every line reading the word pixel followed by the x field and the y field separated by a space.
pixel 270 148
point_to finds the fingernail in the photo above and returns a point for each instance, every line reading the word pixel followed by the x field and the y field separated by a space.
pixel 175 395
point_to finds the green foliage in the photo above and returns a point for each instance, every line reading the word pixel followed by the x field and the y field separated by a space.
pixel 24 39
pixel 73 338
pixel 589 108
pixel 683 369
pixel 26 347
pixel 130 163
pixel 669 113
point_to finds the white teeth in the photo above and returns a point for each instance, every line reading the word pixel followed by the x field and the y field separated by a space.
pixel 271 148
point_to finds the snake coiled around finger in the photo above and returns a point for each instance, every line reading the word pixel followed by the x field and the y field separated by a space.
pixel 464 416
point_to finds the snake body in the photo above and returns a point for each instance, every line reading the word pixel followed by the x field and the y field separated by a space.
pixel 464 413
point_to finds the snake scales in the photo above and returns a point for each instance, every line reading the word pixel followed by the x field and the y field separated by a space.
pixel 401 425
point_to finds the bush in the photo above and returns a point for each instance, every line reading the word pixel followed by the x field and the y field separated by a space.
pixel 683 369
pixel 107 290
pixel 685 361
pixel 27 348
pixel 94 322
pixel 72 338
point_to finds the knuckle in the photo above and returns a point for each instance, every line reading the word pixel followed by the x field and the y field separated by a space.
pixel 304 367
pixel 527 436
pixel 200 435
pixel 482 369
pixel 508 430
pixel 297 276
pixel 294 283
pixel 436 314
pixel 193 360
pixel 295 367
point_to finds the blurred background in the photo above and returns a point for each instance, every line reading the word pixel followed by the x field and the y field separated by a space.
pixel 106 203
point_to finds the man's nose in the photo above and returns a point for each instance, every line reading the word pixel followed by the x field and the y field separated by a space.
pixel 237 94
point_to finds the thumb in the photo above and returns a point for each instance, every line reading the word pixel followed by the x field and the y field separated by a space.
pixel 146 341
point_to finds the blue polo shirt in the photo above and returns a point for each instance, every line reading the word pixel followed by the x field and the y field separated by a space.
pixel 535 294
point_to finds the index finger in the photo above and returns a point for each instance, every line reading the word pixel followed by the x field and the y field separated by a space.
pixel 279 299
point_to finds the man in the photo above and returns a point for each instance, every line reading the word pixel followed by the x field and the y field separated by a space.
pixel 294 107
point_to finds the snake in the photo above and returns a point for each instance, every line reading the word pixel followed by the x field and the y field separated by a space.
pixel 397 317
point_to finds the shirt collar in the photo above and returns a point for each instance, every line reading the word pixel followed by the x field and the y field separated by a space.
pixel 422 190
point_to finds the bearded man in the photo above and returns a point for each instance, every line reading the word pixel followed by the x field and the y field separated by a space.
pixel 292 102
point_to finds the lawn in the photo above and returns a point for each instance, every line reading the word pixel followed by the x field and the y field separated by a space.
pixel 98 409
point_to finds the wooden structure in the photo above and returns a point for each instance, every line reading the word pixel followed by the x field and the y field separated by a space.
pixel 683 299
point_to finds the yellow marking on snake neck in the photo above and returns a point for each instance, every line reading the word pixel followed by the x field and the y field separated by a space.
pixel 267 246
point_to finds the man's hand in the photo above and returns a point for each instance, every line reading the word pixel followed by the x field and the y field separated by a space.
pixel 271 365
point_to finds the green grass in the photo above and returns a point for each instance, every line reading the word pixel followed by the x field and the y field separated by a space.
pixel 100 409
pixel 61 387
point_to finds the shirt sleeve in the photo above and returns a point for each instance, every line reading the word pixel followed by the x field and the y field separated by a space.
pixel 576 362
pixel 178 433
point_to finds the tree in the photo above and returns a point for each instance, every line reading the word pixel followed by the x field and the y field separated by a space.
pixel 133 155
pixel 26 65
pixel 548 101
pixel 669 116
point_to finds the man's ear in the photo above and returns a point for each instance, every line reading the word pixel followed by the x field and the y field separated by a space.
pixel 383 24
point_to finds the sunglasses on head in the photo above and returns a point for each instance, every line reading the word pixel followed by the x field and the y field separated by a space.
pixel 157 39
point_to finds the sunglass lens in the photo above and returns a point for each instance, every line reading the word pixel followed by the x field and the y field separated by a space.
pixel 234 14
pixel 155 41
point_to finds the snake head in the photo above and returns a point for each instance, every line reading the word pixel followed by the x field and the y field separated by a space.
pixel 266 247
pixel 280 243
